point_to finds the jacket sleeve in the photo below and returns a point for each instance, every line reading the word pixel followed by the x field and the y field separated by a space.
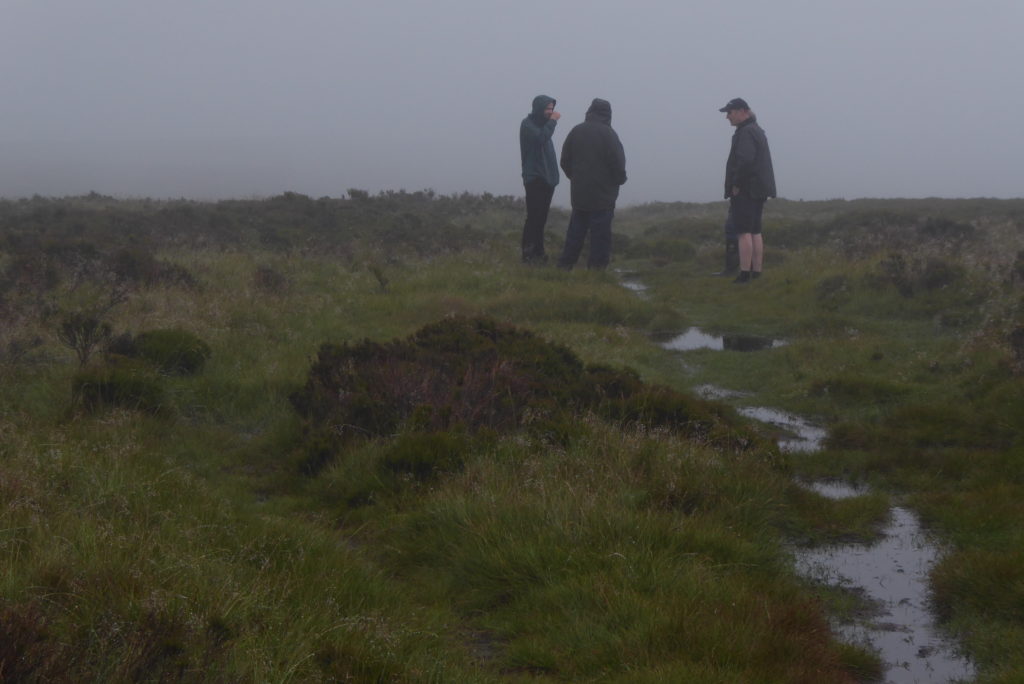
pixel 546 131
pixel 746 156
pixel 532 135
pixel 566 160
pixel 618 160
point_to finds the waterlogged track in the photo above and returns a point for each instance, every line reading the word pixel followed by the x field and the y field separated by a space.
pixel 890 576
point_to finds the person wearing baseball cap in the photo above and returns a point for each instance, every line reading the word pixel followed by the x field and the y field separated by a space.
pixel 749 182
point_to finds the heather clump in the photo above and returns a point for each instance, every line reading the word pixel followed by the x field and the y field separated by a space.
pixel 173 351
pixel 476 374
pixel 129 385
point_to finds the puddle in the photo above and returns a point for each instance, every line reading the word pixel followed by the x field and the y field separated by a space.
pixel 795 433
pixel 837 490
pixel 892 575
pixel 718 393
pixel 695 338
pixel 630 282
pixel 635 285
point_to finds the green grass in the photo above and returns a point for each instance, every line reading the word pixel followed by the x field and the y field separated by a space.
pixel 188 544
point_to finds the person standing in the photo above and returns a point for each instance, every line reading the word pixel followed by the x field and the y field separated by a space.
pixel 749 182
pixel 540 174
pixel 595 164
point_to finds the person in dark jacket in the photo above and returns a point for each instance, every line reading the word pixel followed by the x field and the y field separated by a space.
pixel 749 182
pixel 540 173
pixel 595 164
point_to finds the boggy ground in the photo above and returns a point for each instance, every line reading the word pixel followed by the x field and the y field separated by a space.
pixel 224 525
pixel 904 322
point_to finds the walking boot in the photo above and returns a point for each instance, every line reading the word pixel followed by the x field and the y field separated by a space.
pixel 743 277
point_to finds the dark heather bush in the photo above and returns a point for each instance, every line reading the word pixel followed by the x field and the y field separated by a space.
pixel 474 374
pixel 121 345
pixel 128 385
pixel 173 350
pixel 139 267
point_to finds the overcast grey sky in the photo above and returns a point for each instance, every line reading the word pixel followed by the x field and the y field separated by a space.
pixel 242 98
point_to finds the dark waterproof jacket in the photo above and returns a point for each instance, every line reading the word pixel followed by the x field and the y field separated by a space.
pixel 749 166
pixel 593 160
pixel 535 146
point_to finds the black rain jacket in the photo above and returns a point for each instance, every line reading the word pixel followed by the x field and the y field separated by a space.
pixel 594 161
pixel 749 166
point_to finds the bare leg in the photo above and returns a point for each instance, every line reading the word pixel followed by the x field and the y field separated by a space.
pixel 757 252
pixel 746 250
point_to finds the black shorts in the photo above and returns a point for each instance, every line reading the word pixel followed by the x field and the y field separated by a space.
pixel 745 214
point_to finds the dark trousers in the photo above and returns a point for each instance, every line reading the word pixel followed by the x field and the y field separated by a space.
pixel 599 225
pixel 538 203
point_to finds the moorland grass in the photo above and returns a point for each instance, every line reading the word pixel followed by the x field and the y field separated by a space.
pixel 190 545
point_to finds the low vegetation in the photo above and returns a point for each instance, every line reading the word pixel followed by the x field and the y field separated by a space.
pixel 354 439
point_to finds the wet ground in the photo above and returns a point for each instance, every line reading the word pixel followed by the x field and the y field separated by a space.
pixel 890 576
pixel 695 338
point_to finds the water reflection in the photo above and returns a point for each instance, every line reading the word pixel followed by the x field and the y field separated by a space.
pixel 833 489
pixel 695 338
pixel 635 285
pixel 893 576
pixel 795 433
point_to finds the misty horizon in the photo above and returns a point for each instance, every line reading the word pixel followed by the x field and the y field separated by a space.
pixel 227 99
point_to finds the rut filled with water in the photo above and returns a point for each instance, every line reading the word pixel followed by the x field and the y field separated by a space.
pixel 890 576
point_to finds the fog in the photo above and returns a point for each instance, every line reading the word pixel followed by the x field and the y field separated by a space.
pixel 248 98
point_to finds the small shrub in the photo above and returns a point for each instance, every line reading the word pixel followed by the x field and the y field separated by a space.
pixel 83 333
pixel 173 350
pixel 128 385
pixel 895 270
pixel 137 266
pixel 134 266
pixel 121 345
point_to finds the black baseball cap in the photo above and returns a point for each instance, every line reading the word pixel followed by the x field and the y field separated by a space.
pixel 735 103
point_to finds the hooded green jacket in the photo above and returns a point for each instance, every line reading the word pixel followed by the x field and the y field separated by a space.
pixel 535 146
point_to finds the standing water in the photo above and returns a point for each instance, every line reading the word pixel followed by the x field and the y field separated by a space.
pixel 892 575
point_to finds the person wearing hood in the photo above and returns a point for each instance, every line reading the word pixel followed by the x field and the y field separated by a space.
pixel 540 174
pixel 749 182
pixel 595 164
